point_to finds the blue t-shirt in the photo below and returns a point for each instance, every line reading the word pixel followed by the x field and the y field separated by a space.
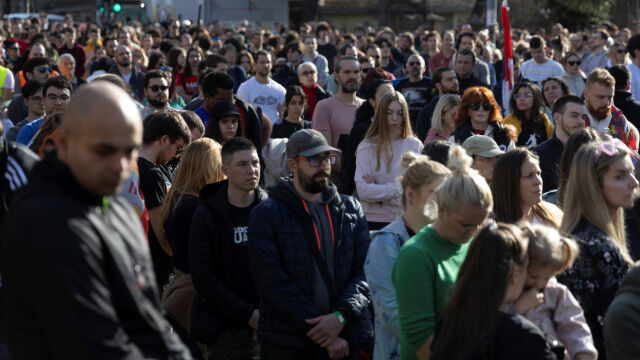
pixel 204 115
pixel 28 131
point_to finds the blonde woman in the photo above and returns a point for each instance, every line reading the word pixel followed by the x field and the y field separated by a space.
pixel 419 181
pixel 378 160
pixel 601 184
pixel 443 122
pixel 200 165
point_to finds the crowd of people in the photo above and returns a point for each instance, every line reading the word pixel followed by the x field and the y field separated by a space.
pixel 175 191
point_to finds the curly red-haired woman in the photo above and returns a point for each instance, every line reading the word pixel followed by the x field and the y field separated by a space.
pixel 479 114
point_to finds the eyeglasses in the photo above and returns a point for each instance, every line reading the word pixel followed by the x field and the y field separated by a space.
pixel 315 161
pixel 308 72
pixel 36 98
pixel 577 62
pixel 54 97
pixel 477 106
pixel 608 147
pixel 44 69
pixel 155 88
pixel 365 70
pixel 523 96
pixel 413 63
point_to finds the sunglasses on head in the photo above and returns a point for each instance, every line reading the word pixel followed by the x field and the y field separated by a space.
pixel 577 62
pixel 484 106
pixel 155 88
pixel 608 147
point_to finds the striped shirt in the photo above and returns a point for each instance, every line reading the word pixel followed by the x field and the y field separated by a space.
pixel 539 72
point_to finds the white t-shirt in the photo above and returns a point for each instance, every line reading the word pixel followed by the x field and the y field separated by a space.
pixel 635 80
pixel 538 72
pixel 265 96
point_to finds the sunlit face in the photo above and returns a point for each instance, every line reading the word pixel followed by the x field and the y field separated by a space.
pixel 538 277
pixel 485 166
pixel 572 65
pixel 243 170
pixel 448 119
pixel 395 117
pixel 56 99
pixel 464 66
pixel 462 224
pixel 524 99
pixel 618 184
pixel 552 91
pixel 263 65
pixel 530 183
pixel 228 127
pixel 571 120
pixel 295 108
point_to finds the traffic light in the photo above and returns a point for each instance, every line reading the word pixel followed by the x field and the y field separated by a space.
pixel 101 9
pixel 117 7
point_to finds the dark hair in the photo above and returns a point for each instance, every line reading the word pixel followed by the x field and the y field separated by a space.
pixel 338 64
pixel 154 59
pixel 372 88
pixel 437 75
pixel 535 122
pixel 234 145
pixel 262 53
pixel 161 123
pixel 343 50
pixel 322 26
pixel 107 38
pixel 213 60
pixel 482 276
pixel 293 46
pixel 31 87
pixel 467 52
pixel 505 185
pixel 622 75
pixel 173 59
pixel 438 151
pixel 204 42
pixel 536 42
pixel 152 74
pixel 292 91
pixel 166 46
pixel 187 68
pixel 467 34
pixel 32 63
pixel 633 45
pixel 68 29
pixel 214 80
pixel 192 120
pixel 561 103
pixel 58 82
pixel 581 137
pixel 560 82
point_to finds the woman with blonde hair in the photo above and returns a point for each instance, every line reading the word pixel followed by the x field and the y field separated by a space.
pixel 443 121
pixel 428 263
pixel 377 165
pixel 200 165
pixel 419 181
pixel 601 184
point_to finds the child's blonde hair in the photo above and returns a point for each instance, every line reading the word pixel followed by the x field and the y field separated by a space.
pixel 548 249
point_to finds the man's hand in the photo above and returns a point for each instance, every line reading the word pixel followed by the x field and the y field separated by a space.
pixel 338 349
pixel 327 327
pixel 253 320
pixel 528 300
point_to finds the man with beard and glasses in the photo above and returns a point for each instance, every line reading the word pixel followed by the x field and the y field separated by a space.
pixel 602 115
pixel 416 88
pixel 445 82
pixel 307 246
pixel 125 70
pixel 334 117
pixel 569 114
pixel 262 91
pixel 156 90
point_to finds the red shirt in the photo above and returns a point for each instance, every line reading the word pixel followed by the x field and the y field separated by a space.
pixel 312 98
pixel 189 82
pixel 438 60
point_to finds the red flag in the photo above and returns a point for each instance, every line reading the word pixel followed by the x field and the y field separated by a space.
pixel 507 83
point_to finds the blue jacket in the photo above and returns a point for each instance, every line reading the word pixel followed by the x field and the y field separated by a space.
pixel 282 263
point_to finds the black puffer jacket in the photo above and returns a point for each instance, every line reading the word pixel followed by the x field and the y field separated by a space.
pixel 211 262
pixel 280 231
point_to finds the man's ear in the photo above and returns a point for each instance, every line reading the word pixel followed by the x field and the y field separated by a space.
pixel 293 166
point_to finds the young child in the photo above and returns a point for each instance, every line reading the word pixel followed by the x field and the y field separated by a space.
pixel 549 304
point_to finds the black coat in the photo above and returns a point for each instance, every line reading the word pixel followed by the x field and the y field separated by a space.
pixel 78 276
pixel 423 123
pixel 211 262
pixel 281 241
pixel 348 163
pixel 136 82
pixel 629 106
pixel 549 152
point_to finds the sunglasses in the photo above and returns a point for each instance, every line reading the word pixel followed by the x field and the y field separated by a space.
pixel 155 88
pixel 523 96
pixel 577 62
pixel 413 63
pixel 484 106
pixel 315 161
pixel 608 147
pixel 308 72
pixel 44 69
pixel 165 68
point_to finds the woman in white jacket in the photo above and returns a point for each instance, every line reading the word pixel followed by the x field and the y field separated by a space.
pixel 378 160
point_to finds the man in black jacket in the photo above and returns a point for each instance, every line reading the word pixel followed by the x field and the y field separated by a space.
pixel 226 307
pixel 623 99
pixel 445 82
pixel 88 291
pixel 464 64
pixel 569 114
pixel 308 245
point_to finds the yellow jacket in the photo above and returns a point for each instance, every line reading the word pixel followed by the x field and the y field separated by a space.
pixel 517 123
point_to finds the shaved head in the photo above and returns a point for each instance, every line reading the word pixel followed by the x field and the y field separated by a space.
pixel 101 131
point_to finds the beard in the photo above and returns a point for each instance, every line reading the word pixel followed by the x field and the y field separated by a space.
pixel 312 184
pixel 350 86
pixel 158 102
pixel 601 112
pixel 125 63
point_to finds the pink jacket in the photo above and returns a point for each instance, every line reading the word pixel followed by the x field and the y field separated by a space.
pixel 382 200
pixel 561 316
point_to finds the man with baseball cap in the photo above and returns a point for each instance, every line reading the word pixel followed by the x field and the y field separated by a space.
pixel 307 246
pixel 485 152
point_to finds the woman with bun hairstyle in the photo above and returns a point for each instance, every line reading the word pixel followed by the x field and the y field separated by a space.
pixel 477 323
pixel 479 114
pixel 428 263
pixel 420 179
pixel 377 165
pixel 601 184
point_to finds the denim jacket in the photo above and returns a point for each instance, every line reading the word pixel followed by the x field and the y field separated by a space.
pixel 383 251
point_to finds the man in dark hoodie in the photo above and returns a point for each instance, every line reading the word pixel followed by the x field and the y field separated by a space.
pixel 307 245
pixel 226 306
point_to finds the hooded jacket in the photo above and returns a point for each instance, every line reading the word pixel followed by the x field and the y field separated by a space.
pixel 211 262
pixel 281 245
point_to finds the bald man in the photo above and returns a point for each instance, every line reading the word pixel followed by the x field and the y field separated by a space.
pixel 76 268
pixel 125 70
